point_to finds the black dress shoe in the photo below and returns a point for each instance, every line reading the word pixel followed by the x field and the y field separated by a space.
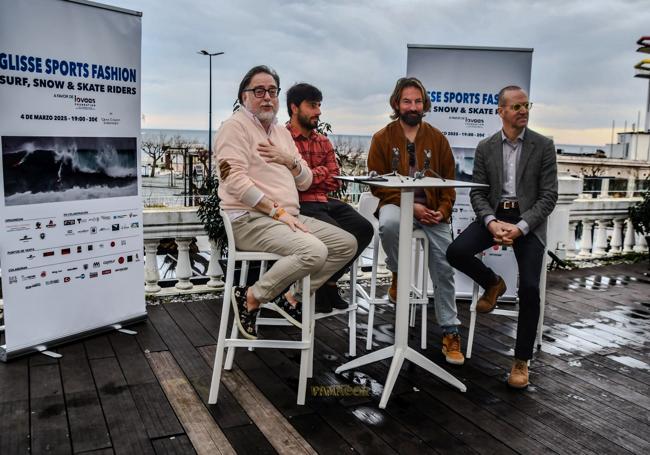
pixel 322 301
pixel 328 298
pixel 336 300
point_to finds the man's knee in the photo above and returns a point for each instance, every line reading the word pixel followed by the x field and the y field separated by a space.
pixel 455 254
pixel 366 232
pixel 389 227
pixel 348 245
pixel 312 255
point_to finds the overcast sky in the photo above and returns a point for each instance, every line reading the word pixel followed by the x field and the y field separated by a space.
pixel 582 73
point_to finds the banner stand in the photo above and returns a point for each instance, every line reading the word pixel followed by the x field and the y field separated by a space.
pixel 44 347
pixel 71 221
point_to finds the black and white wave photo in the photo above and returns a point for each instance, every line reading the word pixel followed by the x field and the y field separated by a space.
pixel 41 169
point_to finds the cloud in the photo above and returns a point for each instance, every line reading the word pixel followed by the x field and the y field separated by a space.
pixel 582 75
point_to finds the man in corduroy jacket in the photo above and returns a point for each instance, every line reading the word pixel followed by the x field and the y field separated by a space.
pixel 407 145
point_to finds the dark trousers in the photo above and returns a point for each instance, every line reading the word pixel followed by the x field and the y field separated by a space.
pixel 345 217
pixel 529 253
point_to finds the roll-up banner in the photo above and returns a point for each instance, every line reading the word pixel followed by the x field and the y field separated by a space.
pixel 71 213
pixel 463 83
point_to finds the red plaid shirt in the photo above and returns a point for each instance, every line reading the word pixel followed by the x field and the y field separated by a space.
pixel 318 152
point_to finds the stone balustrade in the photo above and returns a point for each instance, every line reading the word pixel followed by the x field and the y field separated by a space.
pixel 605 228
pixel 181 224
pixel 595 224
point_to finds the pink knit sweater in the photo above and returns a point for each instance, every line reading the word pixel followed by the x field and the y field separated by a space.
pixel 244 177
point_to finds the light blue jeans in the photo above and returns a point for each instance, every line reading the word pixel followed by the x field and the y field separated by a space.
pixel 441 273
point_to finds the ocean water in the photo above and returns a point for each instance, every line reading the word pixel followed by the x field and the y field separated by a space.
pixel 44 169
pixel 200 137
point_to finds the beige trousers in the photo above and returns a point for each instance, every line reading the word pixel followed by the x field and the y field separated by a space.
pixel 320 252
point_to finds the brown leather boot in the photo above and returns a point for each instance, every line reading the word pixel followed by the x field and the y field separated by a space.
pixel 451 349
pixel 518 378
pixel 488 300
pixel 392 291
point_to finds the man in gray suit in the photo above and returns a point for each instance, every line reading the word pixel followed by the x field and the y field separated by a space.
pixel 520 168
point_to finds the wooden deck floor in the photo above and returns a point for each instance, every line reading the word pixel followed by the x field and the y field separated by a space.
pixel 147 394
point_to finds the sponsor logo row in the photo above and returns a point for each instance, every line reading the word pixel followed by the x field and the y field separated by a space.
pixel 81 272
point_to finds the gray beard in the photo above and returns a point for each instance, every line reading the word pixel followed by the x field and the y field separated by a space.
pixel 265 117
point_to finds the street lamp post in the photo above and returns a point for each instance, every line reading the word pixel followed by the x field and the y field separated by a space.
pixel 210 55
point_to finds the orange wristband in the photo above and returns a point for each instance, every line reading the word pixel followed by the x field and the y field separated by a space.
pixel 278 213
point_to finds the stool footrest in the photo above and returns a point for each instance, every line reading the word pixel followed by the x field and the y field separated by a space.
pixel 334 312
pixel 274 344
pixel 273 321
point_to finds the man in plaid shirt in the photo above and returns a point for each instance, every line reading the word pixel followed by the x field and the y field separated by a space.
pixel 303 105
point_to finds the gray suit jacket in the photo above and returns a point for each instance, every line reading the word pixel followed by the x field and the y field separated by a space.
pixel 536 180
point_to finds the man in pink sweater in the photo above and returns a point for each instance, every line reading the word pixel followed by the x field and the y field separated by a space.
pixel 260 173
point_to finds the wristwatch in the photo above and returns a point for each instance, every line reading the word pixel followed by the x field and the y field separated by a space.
pixel 295 164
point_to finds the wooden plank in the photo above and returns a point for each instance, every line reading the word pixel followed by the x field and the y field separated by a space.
pixel 107 451
pixel 320 434
pixel 203 432
pixel 208 313
pixel 37 359
pixel 476 406
pixel 134 365
pixel 267 381
pixel 228 413
pixel 587 421
pixel 411 385
pixel 620 413
pixel 604 378
pixel 98 347
pixel 536 428
pixel 249 440
pixel 88 429
pixel 567 427
pixel 349 423
pixel 49 424
pixel 195 332
pixel 128 432
pixel 284 397
pixel 279 432
pixel 174 445
pixel 14 407
pixel 156 412
pixel 623 362
pixel 148 338
pixel 401 409
pixel 353 430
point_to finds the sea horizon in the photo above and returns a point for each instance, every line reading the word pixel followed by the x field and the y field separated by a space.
pixel 353 142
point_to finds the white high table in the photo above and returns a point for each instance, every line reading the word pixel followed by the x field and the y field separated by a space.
pixel 400 350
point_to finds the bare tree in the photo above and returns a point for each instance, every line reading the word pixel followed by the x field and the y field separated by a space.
pixel 155 148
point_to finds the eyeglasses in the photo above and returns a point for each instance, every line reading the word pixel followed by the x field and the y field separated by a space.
pixel 517 106
pixel 260 92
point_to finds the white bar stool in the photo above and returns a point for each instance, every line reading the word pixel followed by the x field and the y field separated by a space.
pixel 305 344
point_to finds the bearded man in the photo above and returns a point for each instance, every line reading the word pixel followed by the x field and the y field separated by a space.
pixel 303 105
pixel 407 145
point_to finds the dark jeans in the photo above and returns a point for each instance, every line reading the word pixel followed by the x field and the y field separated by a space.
pixel 341 215
pixel 529 253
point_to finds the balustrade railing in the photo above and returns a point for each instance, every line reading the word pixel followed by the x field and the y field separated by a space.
pixel 181 225
pixel 601 228
pixel 597 228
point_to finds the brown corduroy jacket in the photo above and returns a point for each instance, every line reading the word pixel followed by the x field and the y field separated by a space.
pixel 442 161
